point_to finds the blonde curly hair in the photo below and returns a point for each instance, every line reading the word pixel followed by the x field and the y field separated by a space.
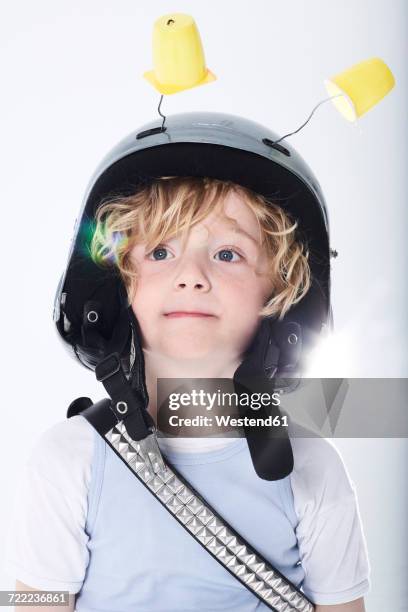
pixel 169 206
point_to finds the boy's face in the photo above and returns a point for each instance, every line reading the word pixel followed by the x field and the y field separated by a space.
pixel 206 299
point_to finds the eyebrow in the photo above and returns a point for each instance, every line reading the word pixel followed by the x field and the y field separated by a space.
pixel 239 230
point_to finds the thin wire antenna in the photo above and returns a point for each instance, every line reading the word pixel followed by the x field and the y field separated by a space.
pixel 308 119
pixel 160 113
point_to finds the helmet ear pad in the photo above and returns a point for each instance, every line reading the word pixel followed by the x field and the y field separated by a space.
pixel 275 349
pixel 95 344
pixel 264 359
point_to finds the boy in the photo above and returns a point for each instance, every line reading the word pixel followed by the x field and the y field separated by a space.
pixel 202 260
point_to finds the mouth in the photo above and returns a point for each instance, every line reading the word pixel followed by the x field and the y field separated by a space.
pixel 187 313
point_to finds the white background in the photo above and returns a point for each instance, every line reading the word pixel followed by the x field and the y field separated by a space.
pixel 72 87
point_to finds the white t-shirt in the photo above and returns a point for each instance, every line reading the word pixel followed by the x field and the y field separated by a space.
pixel 51 511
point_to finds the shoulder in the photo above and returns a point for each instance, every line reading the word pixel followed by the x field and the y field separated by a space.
pixel 62 454
pixel 320 479
pixel 313 454
pixel 329 532
pixel 52 498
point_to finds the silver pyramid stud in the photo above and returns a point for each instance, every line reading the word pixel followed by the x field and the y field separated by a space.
pixel 238 570
pixel 239 550
pixel 215 525
pixel 249 560
pixel 121 427
pixel 284 590
pixel 265 593
pixel 194 525
pixel 236 563
pixel 292 598
pixel 145 474
pixel 184 515
pixel 275 583
pixel 117 440
pixel 139 449
pixel 205 515
pixel 156 484
pixel 195 505
pixel 283 606
pixel 267 575
pixel 258 567
pixel 167 475
pixel 225 535
pixel 205 536
pixel 301 603
pixel 174 504
pixel 112 436
pixel 216 548
pixel 185 495
pixel 123 446
pixel 137 464
pixel 165 494
pixel 175 484
pixel 130 455
pixel 259 586
pixel 249 577
pixel 280 587
pixel 226 557
pixel 277 601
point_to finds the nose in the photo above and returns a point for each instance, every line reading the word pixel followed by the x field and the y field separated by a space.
pixel 192 275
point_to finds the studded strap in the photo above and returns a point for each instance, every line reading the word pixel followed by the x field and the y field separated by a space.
pixel 189 508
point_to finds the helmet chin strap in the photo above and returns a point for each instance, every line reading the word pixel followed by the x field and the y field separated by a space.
pixel 129 404
pixel 274 352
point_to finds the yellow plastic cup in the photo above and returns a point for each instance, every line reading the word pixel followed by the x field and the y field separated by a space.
pixel 178 55
pixel 362 86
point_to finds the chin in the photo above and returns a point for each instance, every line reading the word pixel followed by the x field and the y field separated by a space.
pixel 188 346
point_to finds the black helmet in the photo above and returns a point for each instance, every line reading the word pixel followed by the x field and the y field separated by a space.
pixel 91 310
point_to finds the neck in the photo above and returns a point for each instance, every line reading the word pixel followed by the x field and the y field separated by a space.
pixel 159 366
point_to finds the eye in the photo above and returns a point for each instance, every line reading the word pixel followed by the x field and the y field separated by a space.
pixel 159 253
pixel 228 255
